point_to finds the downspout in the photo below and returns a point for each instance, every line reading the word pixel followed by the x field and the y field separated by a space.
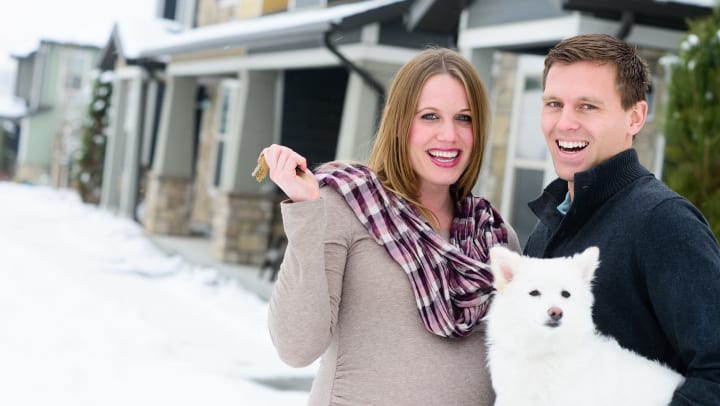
pixel 627 19
pixel 350 66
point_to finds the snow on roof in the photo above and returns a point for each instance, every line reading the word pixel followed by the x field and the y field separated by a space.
pixel 701 3
pixel 287 26
pixel 133 36
pixel 12 108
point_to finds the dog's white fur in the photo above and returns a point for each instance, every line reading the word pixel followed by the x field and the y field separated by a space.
pixel 536 360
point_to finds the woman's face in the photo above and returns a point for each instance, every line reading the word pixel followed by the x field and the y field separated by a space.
pixel 441 134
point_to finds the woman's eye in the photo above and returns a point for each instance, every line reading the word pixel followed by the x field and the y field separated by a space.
pixel 534 293
pixel 430 116
pixel 464 117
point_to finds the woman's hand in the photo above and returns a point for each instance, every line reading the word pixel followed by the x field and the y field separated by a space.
pixel 289 171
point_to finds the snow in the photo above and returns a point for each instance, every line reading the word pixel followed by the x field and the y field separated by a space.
pixel 11 107
pixel 285 25
pixel 93 313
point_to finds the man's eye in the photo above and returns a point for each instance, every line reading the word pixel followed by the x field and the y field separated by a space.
pixel 553 104
pixel 587 107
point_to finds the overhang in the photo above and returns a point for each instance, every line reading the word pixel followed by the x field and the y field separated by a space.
pixel 278 29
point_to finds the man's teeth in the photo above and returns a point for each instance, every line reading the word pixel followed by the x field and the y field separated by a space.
pixel 572 145
pixel 444 154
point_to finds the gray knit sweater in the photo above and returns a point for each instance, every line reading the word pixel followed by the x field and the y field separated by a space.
pixel 657 290
pixel 341 297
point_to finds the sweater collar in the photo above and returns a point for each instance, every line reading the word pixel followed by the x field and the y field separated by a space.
pixel 601 182
pixel 594 186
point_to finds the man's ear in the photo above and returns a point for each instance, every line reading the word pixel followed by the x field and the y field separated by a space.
pixel 501 264
pixel 638 115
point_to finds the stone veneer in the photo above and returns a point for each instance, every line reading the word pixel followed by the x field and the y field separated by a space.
pixel 32 173
pixel 243 226
pixel 167 209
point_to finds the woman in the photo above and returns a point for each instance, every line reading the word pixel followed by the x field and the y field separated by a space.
pixel 384 275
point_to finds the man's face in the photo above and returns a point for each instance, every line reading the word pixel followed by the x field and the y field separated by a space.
pixel 582 117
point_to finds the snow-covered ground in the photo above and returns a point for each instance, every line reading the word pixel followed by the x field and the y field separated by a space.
pixel 92 313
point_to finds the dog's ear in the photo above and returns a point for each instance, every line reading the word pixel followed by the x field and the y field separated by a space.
pixel 589 261
pixel 501 264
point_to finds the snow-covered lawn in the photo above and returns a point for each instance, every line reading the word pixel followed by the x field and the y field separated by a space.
pixel 92 313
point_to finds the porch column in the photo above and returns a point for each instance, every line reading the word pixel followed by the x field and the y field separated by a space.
pixel 131 126
pixel 115 148
pixel 361 114
pixel 170 181
pixel 244 211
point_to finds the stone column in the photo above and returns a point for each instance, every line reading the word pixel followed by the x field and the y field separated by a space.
pixel 244 212
pixel 170 183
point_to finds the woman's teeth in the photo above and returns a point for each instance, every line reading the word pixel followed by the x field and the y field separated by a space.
pixel 443 155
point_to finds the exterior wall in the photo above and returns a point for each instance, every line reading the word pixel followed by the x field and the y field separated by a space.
pixel 647 142
pixel 489 12
pixel 61 86
pixel 502 96
pixel 274 6
pixel 216 12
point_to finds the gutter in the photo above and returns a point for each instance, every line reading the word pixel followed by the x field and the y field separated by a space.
pixel 350 66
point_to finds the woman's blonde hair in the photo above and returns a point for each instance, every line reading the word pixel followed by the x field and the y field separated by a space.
pixel 389 158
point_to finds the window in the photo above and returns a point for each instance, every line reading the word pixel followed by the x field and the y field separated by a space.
pixel 225 115
pixel 300 4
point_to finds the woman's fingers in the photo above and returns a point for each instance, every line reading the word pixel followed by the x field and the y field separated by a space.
pixel 289 171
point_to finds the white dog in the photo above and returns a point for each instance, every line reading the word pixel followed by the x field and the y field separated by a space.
pixel 543 348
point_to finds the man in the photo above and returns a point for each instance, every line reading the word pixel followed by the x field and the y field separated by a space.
pixel 657 290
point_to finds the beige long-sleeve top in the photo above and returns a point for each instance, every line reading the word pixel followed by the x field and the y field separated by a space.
pixel 340 296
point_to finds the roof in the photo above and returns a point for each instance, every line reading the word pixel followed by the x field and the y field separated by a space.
pixel 670 14
pixel 12 108
pixel 130 37
pixel 282 28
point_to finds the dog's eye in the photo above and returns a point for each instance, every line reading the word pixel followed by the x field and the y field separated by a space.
pixel 565 294
pixel 535 293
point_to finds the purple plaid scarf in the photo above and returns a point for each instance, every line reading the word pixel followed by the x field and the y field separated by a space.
pixel 451 279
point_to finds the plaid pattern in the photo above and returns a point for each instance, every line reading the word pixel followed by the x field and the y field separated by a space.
pixel 451 279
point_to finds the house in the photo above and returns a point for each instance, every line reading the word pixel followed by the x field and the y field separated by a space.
pixel 12 110
pixel 311 74
pixel 54 83
pixel 306 76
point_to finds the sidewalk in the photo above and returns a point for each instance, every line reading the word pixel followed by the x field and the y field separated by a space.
pixel 197 250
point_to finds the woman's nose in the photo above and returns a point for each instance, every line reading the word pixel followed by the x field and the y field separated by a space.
pixel 447 132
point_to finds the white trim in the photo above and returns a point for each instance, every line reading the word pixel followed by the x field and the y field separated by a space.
pixel 274 29
pixel 129 73
pixel 525 32
pixel 306 58
pixel 553 30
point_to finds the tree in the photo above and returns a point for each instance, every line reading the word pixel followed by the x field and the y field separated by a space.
pixel 692 119
pixel 88 171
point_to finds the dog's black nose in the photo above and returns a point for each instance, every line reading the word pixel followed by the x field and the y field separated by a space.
pixel 555 313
